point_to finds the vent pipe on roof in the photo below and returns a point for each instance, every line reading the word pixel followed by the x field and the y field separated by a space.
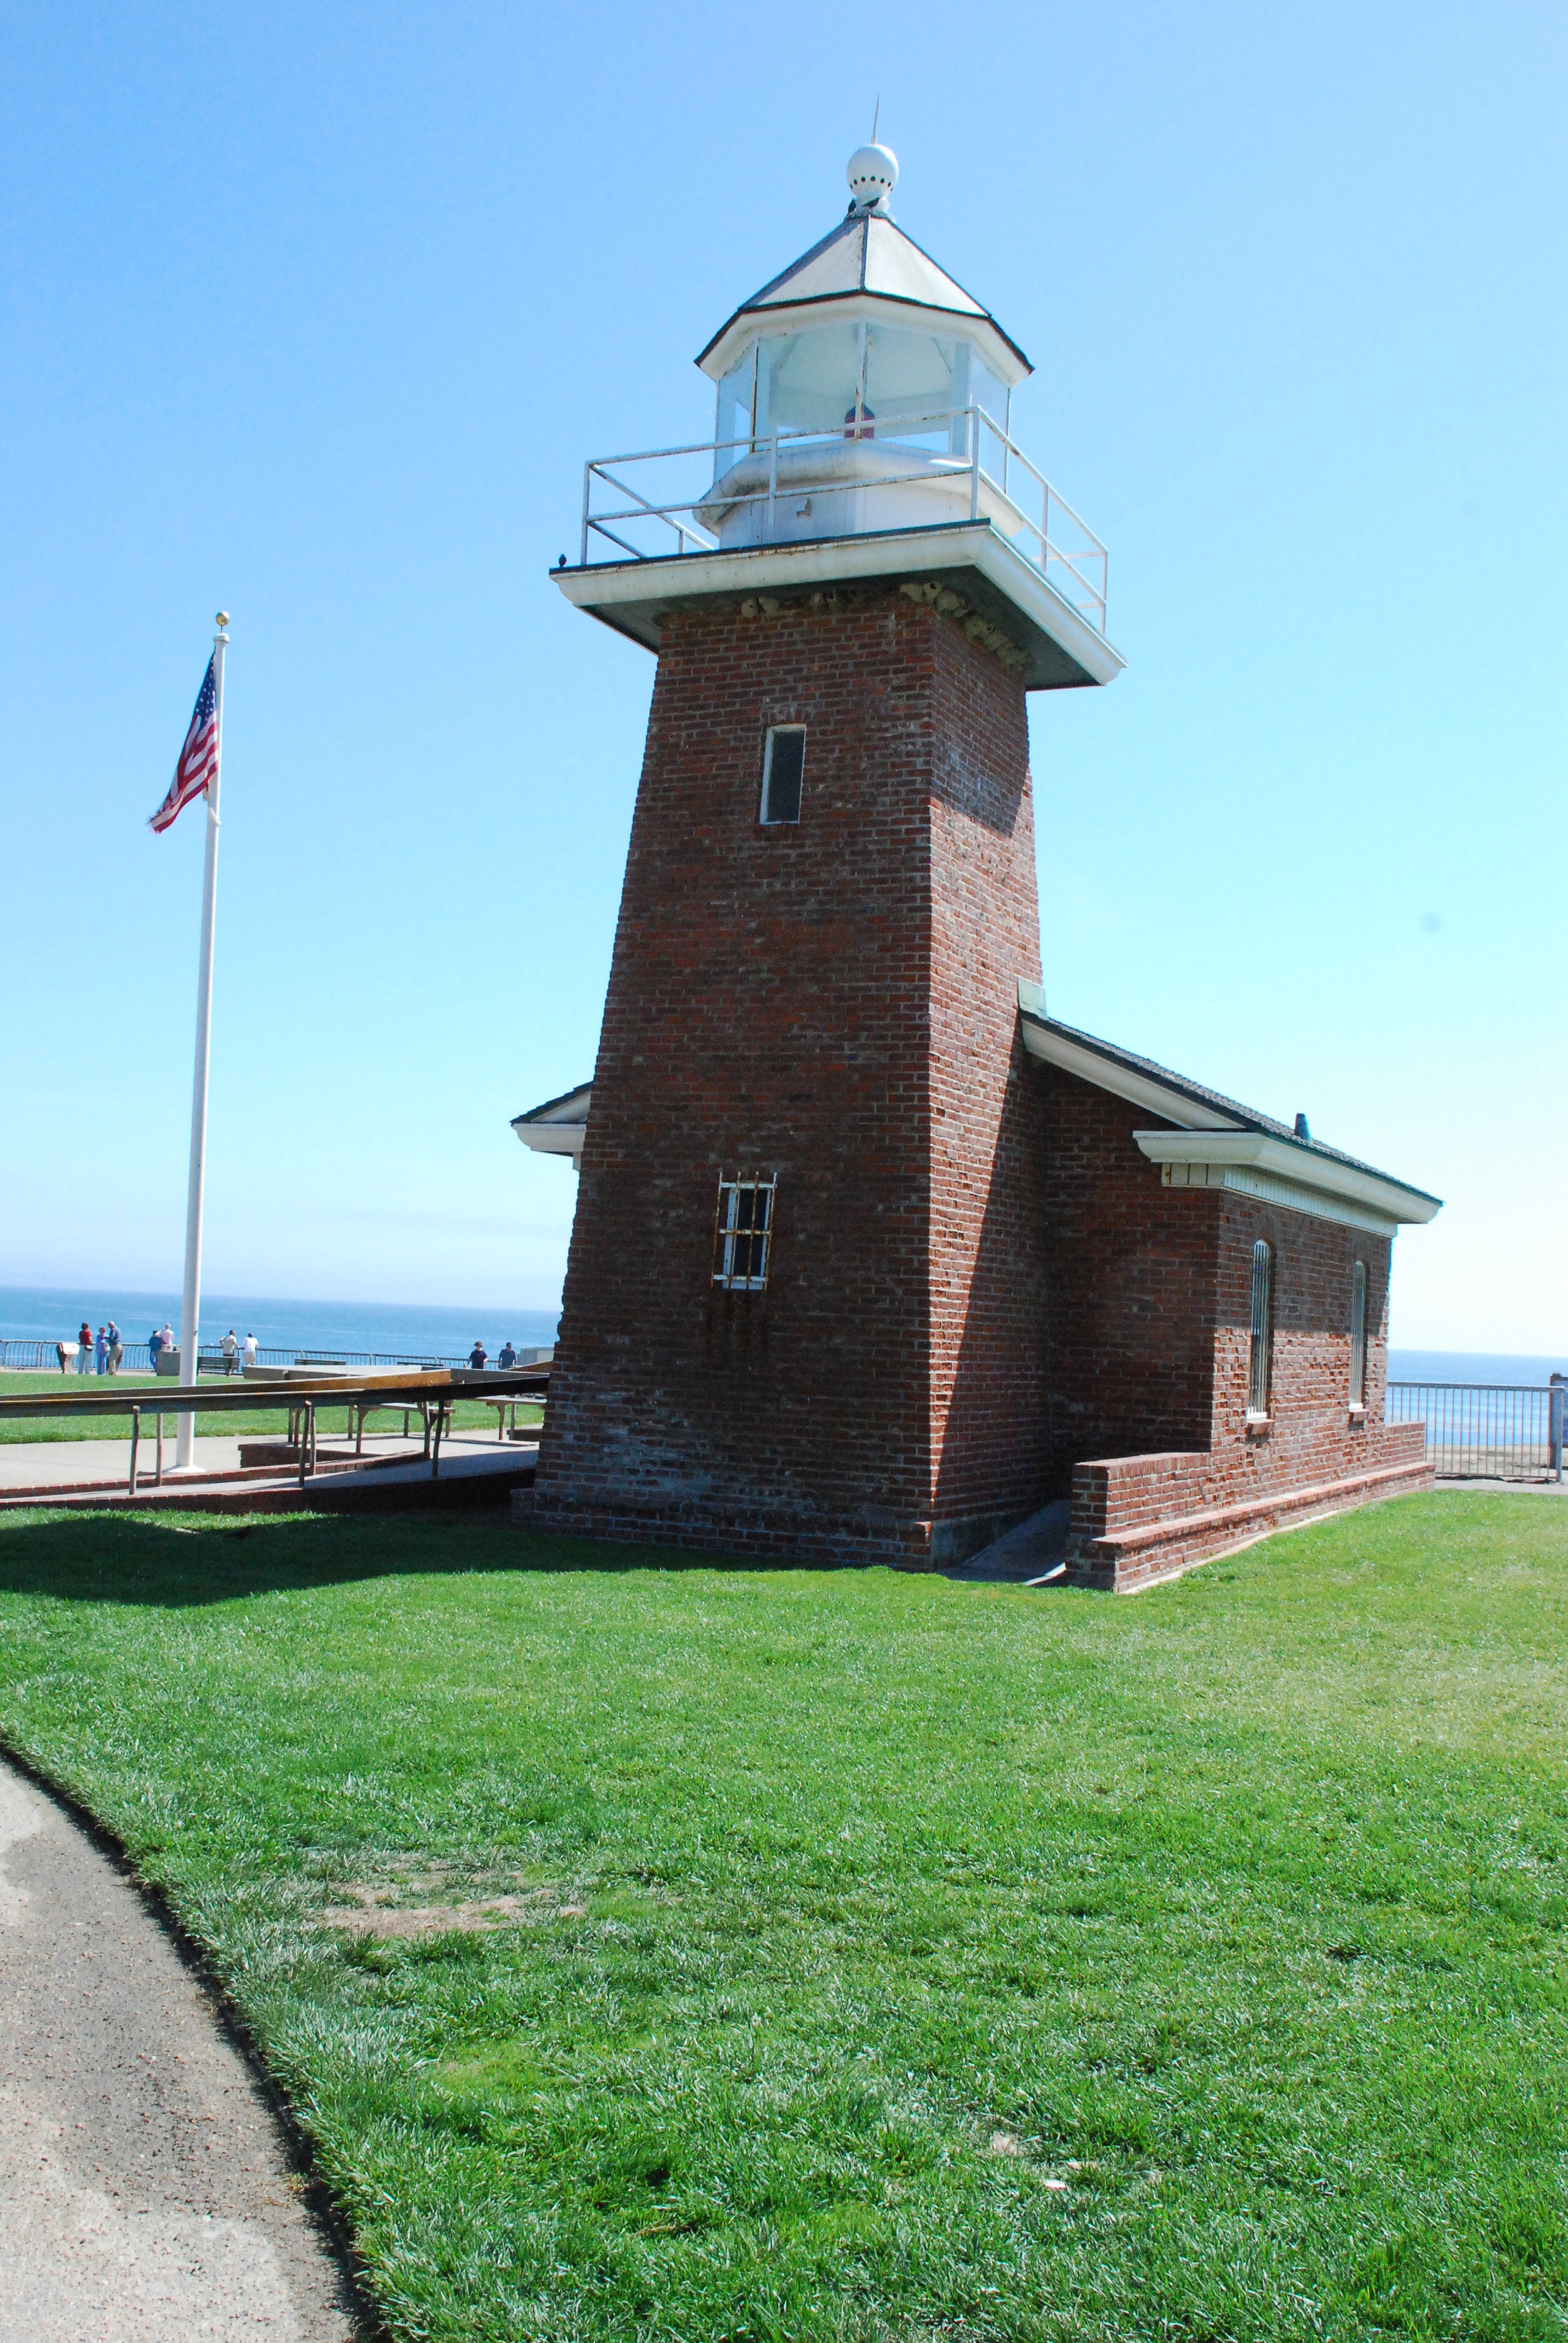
pixel 1303 1129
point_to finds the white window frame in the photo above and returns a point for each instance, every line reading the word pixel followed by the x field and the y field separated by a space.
pixel 729 1232
pixel 771 820
pixel 1358 1338
pixel 1260 1346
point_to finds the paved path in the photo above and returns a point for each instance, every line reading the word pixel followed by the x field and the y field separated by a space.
pixel 145 2194
pixel 38 1464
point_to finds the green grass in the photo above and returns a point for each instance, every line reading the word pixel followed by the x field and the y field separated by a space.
pixel 262 1420
pixel 860 1908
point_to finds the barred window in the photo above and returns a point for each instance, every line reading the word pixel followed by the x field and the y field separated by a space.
pixel 783 766
pixel 1259 1356
pixel 1359 1334
pixel 743 1231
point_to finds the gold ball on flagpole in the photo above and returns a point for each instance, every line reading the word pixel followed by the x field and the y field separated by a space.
pixel 223 618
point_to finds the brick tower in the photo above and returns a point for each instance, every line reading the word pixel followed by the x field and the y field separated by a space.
pixel 805 1308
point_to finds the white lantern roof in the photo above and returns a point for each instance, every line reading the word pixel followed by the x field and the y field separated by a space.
pixel 865 268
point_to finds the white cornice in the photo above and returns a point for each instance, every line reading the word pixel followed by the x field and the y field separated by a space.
pixel 552 1138
pixel 1277 1160
pixel 885 309
pixel 632 596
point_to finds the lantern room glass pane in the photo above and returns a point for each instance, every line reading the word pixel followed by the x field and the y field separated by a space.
pixel 735 395
pixel 911 379
pixel 807 381
pixel 987 390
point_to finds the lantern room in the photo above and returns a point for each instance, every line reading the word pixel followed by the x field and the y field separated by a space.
pixel 862 428
pixel 854 390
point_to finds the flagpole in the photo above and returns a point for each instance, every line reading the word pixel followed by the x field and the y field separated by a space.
pixel 190 1306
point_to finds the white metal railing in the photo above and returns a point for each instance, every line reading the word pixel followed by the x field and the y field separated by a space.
pixel 1487 1431
pixel 953 447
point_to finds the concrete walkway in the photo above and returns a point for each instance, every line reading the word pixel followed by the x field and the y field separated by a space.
pixel 57 1464
pixel 146 2191
pixel 91 1476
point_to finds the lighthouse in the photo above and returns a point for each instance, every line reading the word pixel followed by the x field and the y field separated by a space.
pixel 844 1282
pixel 800 1313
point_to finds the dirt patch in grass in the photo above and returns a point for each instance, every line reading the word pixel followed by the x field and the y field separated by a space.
pixel 374 1911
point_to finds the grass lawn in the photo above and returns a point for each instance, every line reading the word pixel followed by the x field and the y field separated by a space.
pixel 246 1424
pixel 864 1955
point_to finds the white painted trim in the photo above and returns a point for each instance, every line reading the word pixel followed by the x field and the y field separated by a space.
pixel 1266 1189
pixel 603 587
pixel 1121 1082
pixel 1271 1167
pixel 846 308
pixel 552 1138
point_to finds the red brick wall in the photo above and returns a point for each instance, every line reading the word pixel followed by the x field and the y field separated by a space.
pixel 1143 1516
pixel 1133 1271
pixel 988 1298
pixel 833 1001
pixel 978 1281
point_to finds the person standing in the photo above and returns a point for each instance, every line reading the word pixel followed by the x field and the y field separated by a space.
pixel 250 1350
pixel 101 1352
pixel 477 1357
pixel 117 1348
pixel 230 1348
pixel 507 1356
pixel 84 1349
pixel 155 1344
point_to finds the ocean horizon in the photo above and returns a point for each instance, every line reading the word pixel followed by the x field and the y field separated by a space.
pixel 446 1330
pixel 450 1330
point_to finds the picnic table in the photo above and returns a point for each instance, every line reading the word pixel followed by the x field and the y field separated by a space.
pixel 320 1370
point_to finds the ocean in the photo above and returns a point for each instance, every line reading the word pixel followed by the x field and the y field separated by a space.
pixel 1473 1366
pixel 42 1314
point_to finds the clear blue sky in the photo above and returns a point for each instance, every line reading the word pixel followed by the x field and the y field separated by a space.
pixel 314 313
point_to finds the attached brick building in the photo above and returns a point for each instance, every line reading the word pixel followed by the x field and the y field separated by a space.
pixel 873 1258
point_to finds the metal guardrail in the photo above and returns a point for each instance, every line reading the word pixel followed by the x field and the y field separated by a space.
pixel 135 1358
pixel 1003 485
pixel 1486 1431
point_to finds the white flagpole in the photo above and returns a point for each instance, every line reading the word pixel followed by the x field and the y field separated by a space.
pixel 190 1306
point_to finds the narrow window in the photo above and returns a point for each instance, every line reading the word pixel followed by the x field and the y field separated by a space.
pixel 743 1232
pixel 1359 1335
pixel 1263 1329
pixel 783 763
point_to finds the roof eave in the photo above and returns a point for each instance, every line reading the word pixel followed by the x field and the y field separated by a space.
pixel 1298 1166
pixel 1011 364
pixel 1043 1041
pixel 1205 1134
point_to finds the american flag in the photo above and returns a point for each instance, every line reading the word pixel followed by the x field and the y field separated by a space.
pixel 198 758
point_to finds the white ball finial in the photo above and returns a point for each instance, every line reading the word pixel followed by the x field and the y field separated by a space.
pixel 873 174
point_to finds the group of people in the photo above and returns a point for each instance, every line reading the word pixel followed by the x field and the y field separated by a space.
pixel 234 1351
pixel 102 1351
pixel 505 1356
